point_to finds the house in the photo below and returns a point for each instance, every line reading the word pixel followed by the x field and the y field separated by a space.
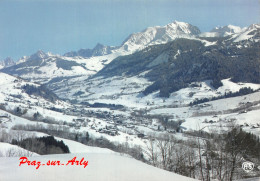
pixel 255 126
pixel 246 124
pixel 171 131
pixel 140 135
pixel 119 122
pixel 241 112
pixel 211 121
pixel 130 126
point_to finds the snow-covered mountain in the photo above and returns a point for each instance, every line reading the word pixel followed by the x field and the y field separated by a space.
pixel 6 62
pixel 159 35
pixel 44 67
pixel 17 92
pixel 227 30
pixel 98 50
pixel 251 33
pixel 236 33
pixel 140 40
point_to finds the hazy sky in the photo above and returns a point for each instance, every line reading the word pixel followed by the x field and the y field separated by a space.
pixel 60 26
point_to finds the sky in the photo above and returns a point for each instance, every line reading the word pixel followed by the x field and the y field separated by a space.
pixel 60 26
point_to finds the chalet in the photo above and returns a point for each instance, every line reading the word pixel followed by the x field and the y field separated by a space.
pixel 80 120
pixel 4 116
pixel 140 135
pixel 246 124
pixel 18 86
pixel 119 122
pixel 241 112
pixel 130 126
pixel 112 133
pixel 211 121
pixel 171 131
pixel 255 126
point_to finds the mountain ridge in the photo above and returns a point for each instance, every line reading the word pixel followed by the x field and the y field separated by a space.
pixel 44 67
pixel 178 26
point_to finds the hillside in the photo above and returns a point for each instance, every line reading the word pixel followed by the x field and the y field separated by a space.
pixel 176 64
pixel 101 167
pixel 103 164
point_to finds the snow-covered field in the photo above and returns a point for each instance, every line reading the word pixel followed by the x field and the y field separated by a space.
pixel 103 165
pixel 127 91
pixel 8 150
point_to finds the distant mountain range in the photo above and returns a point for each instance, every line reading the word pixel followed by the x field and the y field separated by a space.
pixel 137 41
pixel 98 50
pixel 177 52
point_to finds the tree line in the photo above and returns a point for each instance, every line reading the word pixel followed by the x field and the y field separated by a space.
pixel 206 156
pixel 42 145
pixel 241 92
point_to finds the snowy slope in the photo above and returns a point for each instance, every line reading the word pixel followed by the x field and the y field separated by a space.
pixel 250 32
pixel 10 85
pixel 101 167
pixel 43 67
pixel 14 100
pixel 103 164
pixel 8 150
pixel 237 34
pixel 12 92
pixel 127 91
pixel 243 110
pixel 76 147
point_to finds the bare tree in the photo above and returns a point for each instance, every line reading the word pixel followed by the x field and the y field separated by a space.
pixel 163 144
pixel 151 151
pixel 19 135
pixel 16 152
pixel 5 136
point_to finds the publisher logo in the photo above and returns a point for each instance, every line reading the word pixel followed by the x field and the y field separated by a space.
pixel 248 166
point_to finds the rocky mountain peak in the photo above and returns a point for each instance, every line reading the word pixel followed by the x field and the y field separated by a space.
pixel 7 62
pixel 160 35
